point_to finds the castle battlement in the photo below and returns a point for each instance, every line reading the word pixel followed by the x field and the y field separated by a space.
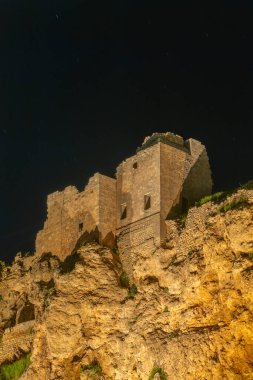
pixel 166 138
pixel 166 175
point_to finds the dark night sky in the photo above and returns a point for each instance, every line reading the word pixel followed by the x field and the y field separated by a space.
pixel 82 83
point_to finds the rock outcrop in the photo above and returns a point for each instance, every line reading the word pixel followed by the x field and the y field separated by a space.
pixel 190 315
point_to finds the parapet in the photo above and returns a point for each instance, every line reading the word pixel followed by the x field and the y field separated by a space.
pixel 167 138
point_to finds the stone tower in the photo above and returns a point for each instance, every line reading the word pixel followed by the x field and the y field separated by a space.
pixel 164 178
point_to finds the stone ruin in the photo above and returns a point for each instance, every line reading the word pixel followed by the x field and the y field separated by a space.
pixel 165 176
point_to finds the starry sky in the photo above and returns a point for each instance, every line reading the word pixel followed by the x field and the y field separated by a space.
pixel 83 82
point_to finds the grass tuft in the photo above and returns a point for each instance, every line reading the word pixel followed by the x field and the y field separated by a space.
pixel 14 370
pixel 222 195
pixel 93 368
pixel 132 291
pixel 2 265
pixel 248 185
pixel 215 198
pixel 182 220
pixel 236 203
pixel 124 280
pixel 160 371
pixel 49 292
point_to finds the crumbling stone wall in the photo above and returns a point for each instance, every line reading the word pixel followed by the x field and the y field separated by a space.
pixel 172 172
pixel 197 177
pixel 107 209
pixel 166 175
pixel 16 340
pixel 72 213
pixel 186 239
pixel 185 178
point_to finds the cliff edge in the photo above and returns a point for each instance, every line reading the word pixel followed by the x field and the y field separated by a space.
pixel 183 311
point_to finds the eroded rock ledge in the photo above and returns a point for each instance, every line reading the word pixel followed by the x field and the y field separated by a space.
pixel 192 315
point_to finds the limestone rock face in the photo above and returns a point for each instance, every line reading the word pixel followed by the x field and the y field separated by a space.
pixel 192 316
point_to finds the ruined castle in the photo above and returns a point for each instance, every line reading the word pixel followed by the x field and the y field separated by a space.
pixel 165 176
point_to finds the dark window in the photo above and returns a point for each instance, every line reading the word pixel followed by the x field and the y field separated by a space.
pixel 147 201
pixel 135 165
pixel 80 227
pixel 123 211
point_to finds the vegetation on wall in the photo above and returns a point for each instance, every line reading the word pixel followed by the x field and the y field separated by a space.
pixel 182 220
pixel 115 250
pixel 125 283
pixel 2 265
pixel 235 203
pixel 215 198
pixel 157 370
pixel 49 291
pixel 93 369
pixel 248 185
pixel 222 195
pixel 132 291
pixel 192 252
pixel 14 370
pixel 218 198
pixel 124 280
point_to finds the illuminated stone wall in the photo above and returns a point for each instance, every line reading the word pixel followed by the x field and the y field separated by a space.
pixel 164 177
pixel 72 213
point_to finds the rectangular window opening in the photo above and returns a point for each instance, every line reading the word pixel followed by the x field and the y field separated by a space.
pixel 123 211
pixel 80 227
pixel 147 201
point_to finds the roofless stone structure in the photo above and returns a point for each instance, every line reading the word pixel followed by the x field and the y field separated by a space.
pixel 165 176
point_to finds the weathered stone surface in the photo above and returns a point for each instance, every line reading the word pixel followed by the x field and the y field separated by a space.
pixel 173 179
pixel 71 213
pixel 165 176
pixel 192 315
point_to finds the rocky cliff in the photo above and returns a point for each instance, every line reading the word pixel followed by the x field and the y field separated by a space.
pixel 183 311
